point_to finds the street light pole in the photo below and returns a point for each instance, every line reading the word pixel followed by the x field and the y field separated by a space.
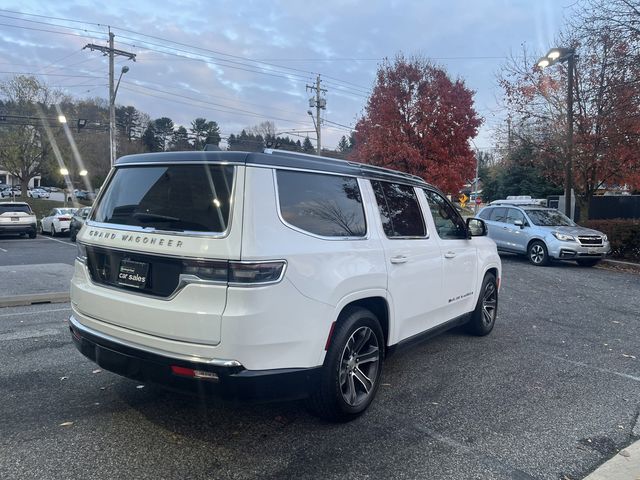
pixel 112 105
pixel 568 172
pixel 569 55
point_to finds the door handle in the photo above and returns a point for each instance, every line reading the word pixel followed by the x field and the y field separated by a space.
pixel 450 255
pixel 399 259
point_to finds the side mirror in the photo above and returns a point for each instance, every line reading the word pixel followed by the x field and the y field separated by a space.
pixel 476 227
pixel 519 223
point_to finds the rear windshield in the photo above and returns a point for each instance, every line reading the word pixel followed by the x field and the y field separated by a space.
pixel 169 197
pixel 14 208
pixel 65 211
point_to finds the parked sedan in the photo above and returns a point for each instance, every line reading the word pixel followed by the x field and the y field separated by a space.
pixel 38 193
pixel 11 192
pixel 77 221
pixel 58 221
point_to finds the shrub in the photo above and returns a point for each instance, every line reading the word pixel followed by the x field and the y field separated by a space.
pixel 624 236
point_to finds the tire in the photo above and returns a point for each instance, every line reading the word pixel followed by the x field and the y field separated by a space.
pixel 53 230
pixel 483 318
pixel 537 254
pixel 346 388
pixel 588 262
pixel 32 234
pixel 72 235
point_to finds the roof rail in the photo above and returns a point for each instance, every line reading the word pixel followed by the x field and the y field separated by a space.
pixel 365 167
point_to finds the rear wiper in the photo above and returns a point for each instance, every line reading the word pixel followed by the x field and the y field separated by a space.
pixel 150 217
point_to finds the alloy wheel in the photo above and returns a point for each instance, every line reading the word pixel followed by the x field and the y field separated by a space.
pixel 358 369
pixel 489 303
pixel 537 254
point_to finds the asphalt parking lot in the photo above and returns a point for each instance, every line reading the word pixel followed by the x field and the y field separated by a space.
pixel 17 250
pixel 552 393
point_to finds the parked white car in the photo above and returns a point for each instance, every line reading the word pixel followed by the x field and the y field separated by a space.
pixel 17 218
pixel 38 193
pixel 273 275
pixel 58 221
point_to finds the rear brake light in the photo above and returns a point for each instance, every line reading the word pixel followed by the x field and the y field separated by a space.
pixel 64 219
pixel 238 273
pixel 245 273
pixel 210 271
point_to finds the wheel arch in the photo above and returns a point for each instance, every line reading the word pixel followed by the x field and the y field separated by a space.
pixel 537 239
pixel 374 301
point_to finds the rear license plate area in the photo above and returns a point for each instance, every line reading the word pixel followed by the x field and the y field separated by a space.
pixel 133 274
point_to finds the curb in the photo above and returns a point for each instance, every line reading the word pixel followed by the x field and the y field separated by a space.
pixel 22 300
pixel 620 262
pixel 625 465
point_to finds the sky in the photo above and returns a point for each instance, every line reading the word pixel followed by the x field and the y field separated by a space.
pixel 244 62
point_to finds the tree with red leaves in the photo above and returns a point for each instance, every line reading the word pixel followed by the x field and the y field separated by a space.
pixel 419 121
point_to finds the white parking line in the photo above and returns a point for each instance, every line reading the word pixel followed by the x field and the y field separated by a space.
pixel 5 251
pixel 592 367
pixel 59 241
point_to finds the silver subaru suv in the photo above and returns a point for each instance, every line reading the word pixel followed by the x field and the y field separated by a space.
pixel 543 234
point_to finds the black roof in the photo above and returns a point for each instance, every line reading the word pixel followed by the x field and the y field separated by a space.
pixel 276 158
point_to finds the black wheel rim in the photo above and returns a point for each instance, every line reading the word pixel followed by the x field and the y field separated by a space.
pixel 359 365
pixel 489 304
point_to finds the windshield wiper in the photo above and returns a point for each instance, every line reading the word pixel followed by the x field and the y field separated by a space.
pixel 150 217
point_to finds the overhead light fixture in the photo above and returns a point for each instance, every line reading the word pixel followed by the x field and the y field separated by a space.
pixel 543 63
pixel 64 171
pixel 83 172
pixel 553 54
pixel 62 119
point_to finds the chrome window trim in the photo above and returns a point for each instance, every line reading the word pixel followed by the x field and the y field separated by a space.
pixel 188 233
pixel 216 362
pixel 311 234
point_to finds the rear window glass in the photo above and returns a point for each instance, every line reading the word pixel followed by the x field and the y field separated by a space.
pixel 14 208
pixel 326 205
pixel 169 197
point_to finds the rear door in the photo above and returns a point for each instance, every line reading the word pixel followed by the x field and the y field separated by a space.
pixel 413 259
pixel 497 226
pixel 514 237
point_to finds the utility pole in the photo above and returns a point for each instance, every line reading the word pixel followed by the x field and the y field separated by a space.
pixel 112 52
pixel 320 103
pixel 568 169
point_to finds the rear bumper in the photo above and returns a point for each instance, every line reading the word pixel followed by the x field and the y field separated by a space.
pixel 226 378
pixel 22 228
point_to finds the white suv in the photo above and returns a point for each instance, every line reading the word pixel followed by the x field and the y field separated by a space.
pixel 273 275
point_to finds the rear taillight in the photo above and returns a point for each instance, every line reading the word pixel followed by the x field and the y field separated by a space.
pixel 251 273
pixel 236 273
pixel 64 219
pixel 210 271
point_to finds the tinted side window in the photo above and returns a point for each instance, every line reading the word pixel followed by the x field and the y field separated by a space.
pixel 399 210
pixel 499 214
pixel 326 205
pixel 449 223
